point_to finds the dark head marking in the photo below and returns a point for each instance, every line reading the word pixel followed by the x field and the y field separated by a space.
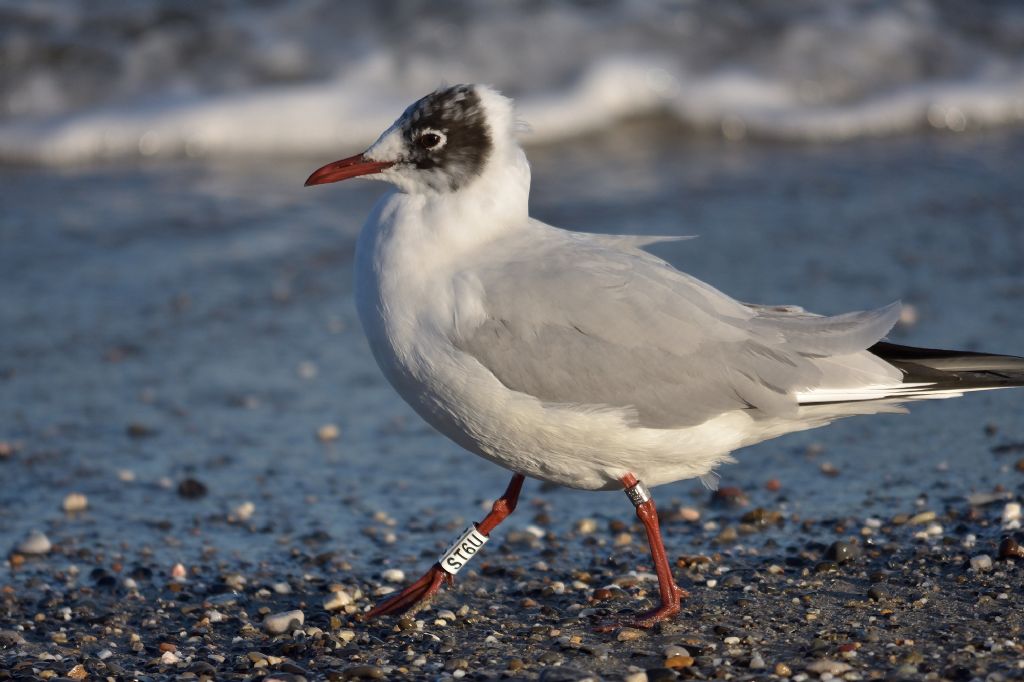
pixel 446 136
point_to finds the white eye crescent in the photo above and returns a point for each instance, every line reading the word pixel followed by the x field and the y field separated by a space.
pixel 431 139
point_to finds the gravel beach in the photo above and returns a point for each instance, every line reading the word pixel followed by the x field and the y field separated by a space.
pixel 205 476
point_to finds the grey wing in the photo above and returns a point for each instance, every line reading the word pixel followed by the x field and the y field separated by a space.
pixel 593 321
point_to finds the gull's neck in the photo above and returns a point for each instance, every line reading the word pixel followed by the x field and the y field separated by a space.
pixel 445 224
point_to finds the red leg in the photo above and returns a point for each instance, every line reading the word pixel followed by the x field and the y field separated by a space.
pixel 671 593
pixel 419 594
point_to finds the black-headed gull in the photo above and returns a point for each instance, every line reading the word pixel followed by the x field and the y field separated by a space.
pixel 581 359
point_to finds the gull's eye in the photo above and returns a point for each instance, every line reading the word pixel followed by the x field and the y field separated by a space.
pixel 430 140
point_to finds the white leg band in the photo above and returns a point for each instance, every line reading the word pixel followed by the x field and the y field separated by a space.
pixel 462 550
pixel 638 494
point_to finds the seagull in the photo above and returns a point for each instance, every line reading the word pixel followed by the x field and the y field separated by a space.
pixel 582 359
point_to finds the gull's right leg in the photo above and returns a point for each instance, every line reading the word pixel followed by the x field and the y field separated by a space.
pixel 419 594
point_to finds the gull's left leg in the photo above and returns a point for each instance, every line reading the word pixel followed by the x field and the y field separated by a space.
pixel 418 595
pixel 671 593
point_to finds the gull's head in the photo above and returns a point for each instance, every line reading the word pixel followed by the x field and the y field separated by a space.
pixel 441 143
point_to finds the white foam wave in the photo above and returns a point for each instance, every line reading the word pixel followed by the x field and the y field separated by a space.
pixel 334 117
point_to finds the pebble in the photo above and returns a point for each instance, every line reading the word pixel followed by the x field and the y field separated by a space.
pixel 78 672
pixel 982 562
pixel 729 496
pixel 842 552
pixel 756 662
pixel 35 542
pixel 363 672
pixel 393 575
pixel 829 666
pixel 922 518
pixel 10 639
pixel 191 489
pixel 689 514
pixel 278 623
pixel 878 593
pixel 1009 548
pixel 640 676
pixel 337 600
pixel 328 432
pixel 75 502
pixel 783 670
pixel 629 634
pixel 169 658
pixel 674 650
pixel 244 511
pixel 1011 513
pixel 586 526
pixel 678 662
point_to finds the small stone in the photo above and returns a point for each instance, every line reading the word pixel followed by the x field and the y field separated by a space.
pixel 34 543
pixel 586 526
pixel 243 512
pixel 661 675
pixel 829 469
pixel 982 562
pixel 678 662
pixel 1009 548
pixel 191 489
pixel 169 658
pixel 842 552
pixel 363 672
pixel 307 370
pixel 729 496
pixel 629 634
pixel 1011 513
pixel 75 502
pixel 393 575
pixel 878 593
pixel 346 635
pixel 278 623
pixel 831 667
pixel 922 518
pixel 640 676
pixel 1020 465
pixel 674 650
pixel 178 572
pixel 689 514
pixel 731 640
pixel 783 670
pixel 77 673
pixel 756 662
pixel 137 430
pixel 337 600
pixel 328 432
pixel 728 534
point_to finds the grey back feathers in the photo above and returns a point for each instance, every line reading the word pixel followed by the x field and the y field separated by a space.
pixel 663 346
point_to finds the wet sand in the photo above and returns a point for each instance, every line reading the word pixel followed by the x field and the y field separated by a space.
pixel 178 336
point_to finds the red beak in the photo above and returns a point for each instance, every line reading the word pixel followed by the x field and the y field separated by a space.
pixel 352 167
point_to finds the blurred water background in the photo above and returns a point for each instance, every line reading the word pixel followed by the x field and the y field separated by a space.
pixel 175 305
pixel 84 81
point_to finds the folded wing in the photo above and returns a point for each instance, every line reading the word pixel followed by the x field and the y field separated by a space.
pixel 591 320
